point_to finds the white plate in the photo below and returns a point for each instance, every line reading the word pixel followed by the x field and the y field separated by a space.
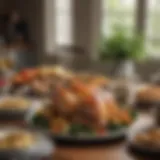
pixel 41 148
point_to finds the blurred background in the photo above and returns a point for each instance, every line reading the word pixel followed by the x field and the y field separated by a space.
pixel 119 39
pixel 70 31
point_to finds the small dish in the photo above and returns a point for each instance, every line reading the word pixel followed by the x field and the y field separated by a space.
pixel 30 143
pixel 14 107
pixel 146 144
pixel 147 96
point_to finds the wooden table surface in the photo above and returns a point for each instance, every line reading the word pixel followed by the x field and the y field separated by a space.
pixel 108 152
pixel 114 152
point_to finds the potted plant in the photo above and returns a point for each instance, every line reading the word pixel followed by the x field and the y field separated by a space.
pixel 123 50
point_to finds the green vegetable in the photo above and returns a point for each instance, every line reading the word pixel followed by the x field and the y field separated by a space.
pixel 115 126
pixel 41 121
pixel 77 129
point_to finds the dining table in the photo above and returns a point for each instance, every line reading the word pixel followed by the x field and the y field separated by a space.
pixel 112 151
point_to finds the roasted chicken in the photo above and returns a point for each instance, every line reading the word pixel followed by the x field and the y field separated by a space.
pixel 75 98
pixel 83 106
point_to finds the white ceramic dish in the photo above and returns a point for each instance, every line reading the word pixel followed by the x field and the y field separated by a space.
pixel 42 147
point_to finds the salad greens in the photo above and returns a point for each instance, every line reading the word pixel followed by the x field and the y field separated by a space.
pixel 41 121
pixel 77 129
pixel 116 126
pixel 80 129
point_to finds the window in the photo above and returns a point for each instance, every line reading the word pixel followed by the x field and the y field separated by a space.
pixel 153 27
pixel 124 12
pixel 118 12
pixel 63 14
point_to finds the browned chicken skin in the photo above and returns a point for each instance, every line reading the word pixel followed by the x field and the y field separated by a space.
pixel 86 106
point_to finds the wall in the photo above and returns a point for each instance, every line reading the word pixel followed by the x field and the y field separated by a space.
pixel 2 6
pixel 5 6
pixel 87 23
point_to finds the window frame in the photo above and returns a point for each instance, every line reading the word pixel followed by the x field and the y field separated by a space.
pixel 141 6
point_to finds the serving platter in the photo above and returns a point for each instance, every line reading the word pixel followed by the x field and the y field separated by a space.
pixel 83 139
pixel 112 137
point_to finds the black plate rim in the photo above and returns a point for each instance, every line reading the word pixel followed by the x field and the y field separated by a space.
pixel 86 139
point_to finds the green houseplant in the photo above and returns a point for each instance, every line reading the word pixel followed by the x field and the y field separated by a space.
pixel 122 48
